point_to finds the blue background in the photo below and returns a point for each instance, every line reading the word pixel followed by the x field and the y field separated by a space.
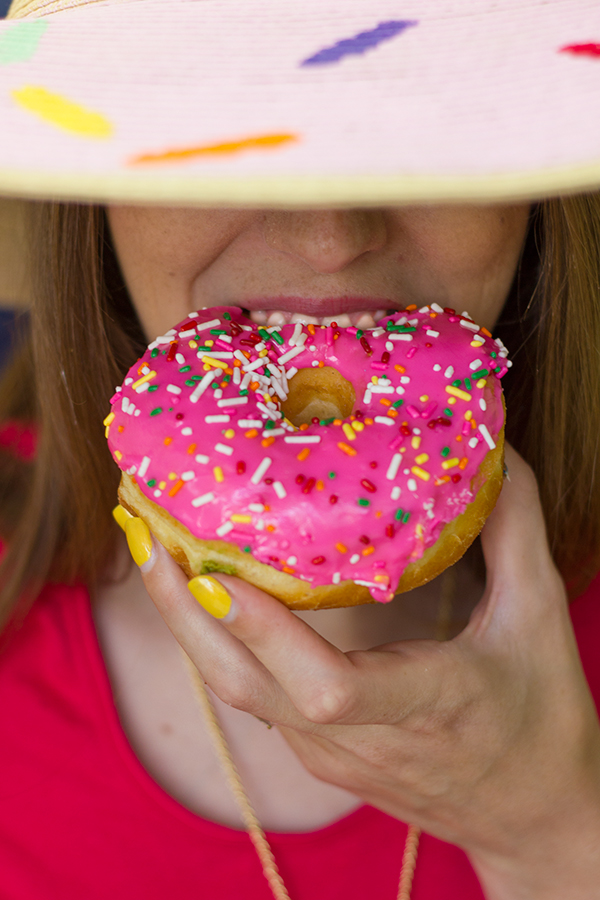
pixel 4 4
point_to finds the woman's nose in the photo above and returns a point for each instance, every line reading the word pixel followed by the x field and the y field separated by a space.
pixel 326 240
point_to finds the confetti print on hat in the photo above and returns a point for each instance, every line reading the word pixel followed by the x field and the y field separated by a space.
pixel 20 42
pixel 225 148
pixel 62 112
pixel 360 43
pixel 582 49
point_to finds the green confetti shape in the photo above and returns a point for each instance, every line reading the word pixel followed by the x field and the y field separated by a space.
pixel 19 43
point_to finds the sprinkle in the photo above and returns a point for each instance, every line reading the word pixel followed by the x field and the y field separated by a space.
pixel 216 363
pixel 368 485
pixel 470 325
pixel 173 389
pixel 463 463
pixel 394 466
pixel 205 498
pixel 432 333
pixel 202 458
pixel 384 420
pixel 210 420
pixel 420 473
pixel 354 558
pixel 456 392
pixel 341 548
pixel 241 518
pixel 368 550
pixel 362 501
pixel 336 578
pixel 279 490
pixel 412 484
pixel 147 377
pixel 110 418
pixel 475 365
pixel 233 401
pixel 450 463
pixel 487 437
pixel 345 448
pixel 302 439
pixel 204 326
pixel 143 466
pixel 176 488
pixel 348 431
pixel 218 473
pixel 285 357
pixel 156 412
pixel 318 560
pixel 333 499
pixel 224 529
pixel 224 448
pixel 422 458
pixel 396 492
pixel 261 470
pixel 250 423
pixel 201 387
pixel 415 442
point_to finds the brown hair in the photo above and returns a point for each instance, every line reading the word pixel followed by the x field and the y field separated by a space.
pixel 83 336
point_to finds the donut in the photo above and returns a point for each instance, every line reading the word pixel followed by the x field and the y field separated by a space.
pixel 328 466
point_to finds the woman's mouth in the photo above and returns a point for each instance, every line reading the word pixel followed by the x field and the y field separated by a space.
pixel 360 318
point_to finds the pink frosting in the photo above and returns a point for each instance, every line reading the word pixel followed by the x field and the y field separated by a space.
pixel 356 499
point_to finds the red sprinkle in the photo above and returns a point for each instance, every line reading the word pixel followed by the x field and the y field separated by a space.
pixel 390 531
pixel 179 416
pixel 456 478
pixel 241 467
pixel 582 49
pixel 315 420
pixel 308 486
pixel 247 342
pixel 368 485
pixel 318 560
pixel 385 357
pixel 359 413
pixel 364 539
pixel 172 351
pixel 405 430
pixel 441 420
pixel 236 329
pixel 449 311
pixel 333 499
pixel 366 346
pixel 268 480
pixel 429 345
pixel 373 464
pixel 274 558
pixel 299 479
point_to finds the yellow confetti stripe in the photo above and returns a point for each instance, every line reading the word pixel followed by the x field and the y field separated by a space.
pixel 225 148
pixel 63 113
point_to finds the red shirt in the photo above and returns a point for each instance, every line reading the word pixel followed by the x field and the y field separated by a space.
pixel 80 818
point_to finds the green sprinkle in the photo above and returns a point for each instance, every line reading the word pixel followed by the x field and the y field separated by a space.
pixel 154 353
pixel 156 412
pixel 457 383
pixel 152 482
pixel 270 425
pixel 170 409
pixel 244 393
pixel 277 337
pixel 215 385
pixel 400 329
pixel 152 388
pixel 227 379
pixel 493 354
pixel 468 384
pixel 448 411
pixel 481 373
pixel 359 334
pixel 362 501
pixel 497 369
pixel 246 549
pixel 264 334
pixel 218 331
pixel 445 451
pixel 398 515
pixel 227 316
pixel 406 517
pixel 163 352
pixel 326 421
pixel 397 404
pixel 331 475
pixel 185 368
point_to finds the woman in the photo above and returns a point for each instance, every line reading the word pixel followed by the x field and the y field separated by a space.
pixel 489 742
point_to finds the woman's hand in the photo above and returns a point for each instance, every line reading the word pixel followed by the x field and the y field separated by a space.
pixel 490 740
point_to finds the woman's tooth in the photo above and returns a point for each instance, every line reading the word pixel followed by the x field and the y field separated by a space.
pixel 343 320
pixel 306 320
pixel 259 316
pixel 379 314
pixel 365 320
pixel 276 318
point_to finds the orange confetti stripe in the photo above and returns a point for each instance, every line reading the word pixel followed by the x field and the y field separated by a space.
pixel 262 142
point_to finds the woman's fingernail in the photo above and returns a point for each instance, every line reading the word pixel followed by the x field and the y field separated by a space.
pixel 121 516
pixel 139 540
pixel 211 594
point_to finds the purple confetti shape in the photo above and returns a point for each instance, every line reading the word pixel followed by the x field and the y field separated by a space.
pixel 360 43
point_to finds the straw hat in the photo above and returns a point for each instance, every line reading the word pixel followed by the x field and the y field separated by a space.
pixel 274 102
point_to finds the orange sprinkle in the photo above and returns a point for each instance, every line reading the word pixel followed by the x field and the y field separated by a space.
pixel 176 488
pixel 341 547
pixel 167 441
pixel 246 353
pixel 463 463
pixel 237 364
pixel 321 364
pixel 368 421
pixel 473 424
pixel 304 453
pixel 485 331
pixel 251 433
pixel 319 485
pixel 254 385
pixel 400 369
pixel 337 421
pixel 368 550
pixel 223 148
pixel 382 578
pixel 121 428
pixel 266 442
pixel 191 449
pixel 289 570
pixel 347 449
pixel 392 413
pixel 443 480
pixel 311 328
pixel 304 426
pixel 378 514
pixel 459 437
pixel 228 370
pixel 385 402
pixel 270 527
pixel 410 308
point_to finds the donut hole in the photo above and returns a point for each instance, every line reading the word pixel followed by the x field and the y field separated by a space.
pixel 321 393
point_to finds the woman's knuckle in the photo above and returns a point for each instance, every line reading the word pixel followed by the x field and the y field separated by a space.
pixel 331 702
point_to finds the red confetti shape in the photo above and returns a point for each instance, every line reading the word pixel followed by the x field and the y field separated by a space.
pixel 590 49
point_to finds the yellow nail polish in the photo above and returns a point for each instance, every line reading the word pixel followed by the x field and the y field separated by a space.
pixel 121 516
pixel 139 540
pixel 210 594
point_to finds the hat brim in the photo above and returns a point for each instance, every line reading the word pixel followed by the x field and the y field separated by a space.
pixel 263 103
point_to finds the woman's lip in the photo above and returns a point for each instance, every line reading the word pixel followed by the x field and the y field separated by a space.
pixel 311 306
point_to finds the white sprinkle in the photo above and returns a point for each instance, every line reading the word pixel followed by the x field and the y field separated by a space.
pixel 473 443
pixel 210 420
pixel 412 484
pixel 394 466
pixel 487 437
pixel 279 489
pixel 245 381
pixel 224 529
pixel 470 325
pixel 377 331
pixel 225 337
pixel 256 507
pixel 194 315
pixel 400 389
pixel 381 389
pixel 354 559
pixel 187 476
pixel 449 372
pixel 291 372
pixel 384 420
pixel 393 336
pixel 432 333
pixel 296 334
pixel 257 364
pixel 437 368
pixel 260 346
pixel 476 364
pixel 224 448
pixel 312 348
pixel 303 439
pixel 144 466
pixel 271 413
pixel 142 387
pixel 482 404
pixel 163 339
pixel 188 332
pixel 274 432
pixel 173 389
pixel 509 364
pixel 202 458
pixel 180 358
pixel 367 397
pixel 395 492
pixel 137 412
pixel 413 321
pixel 292 560
pixel 205 498
pixel 389 346
pixel 128 381
pixel 466 315
pixel 336 578
pixel 232 401
pixel 157 493
pixel 279 388
pixel 262 469
pixel 218 394
pixel 215 354
pixel 416 431
pixel 131 470
pixel 437 308
pixel 405 379
pixel 237 375
pixel 285 357
pixel 201 387
pixel 424 309
pixel 214 323
pixel 250 423
pixel 369 584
